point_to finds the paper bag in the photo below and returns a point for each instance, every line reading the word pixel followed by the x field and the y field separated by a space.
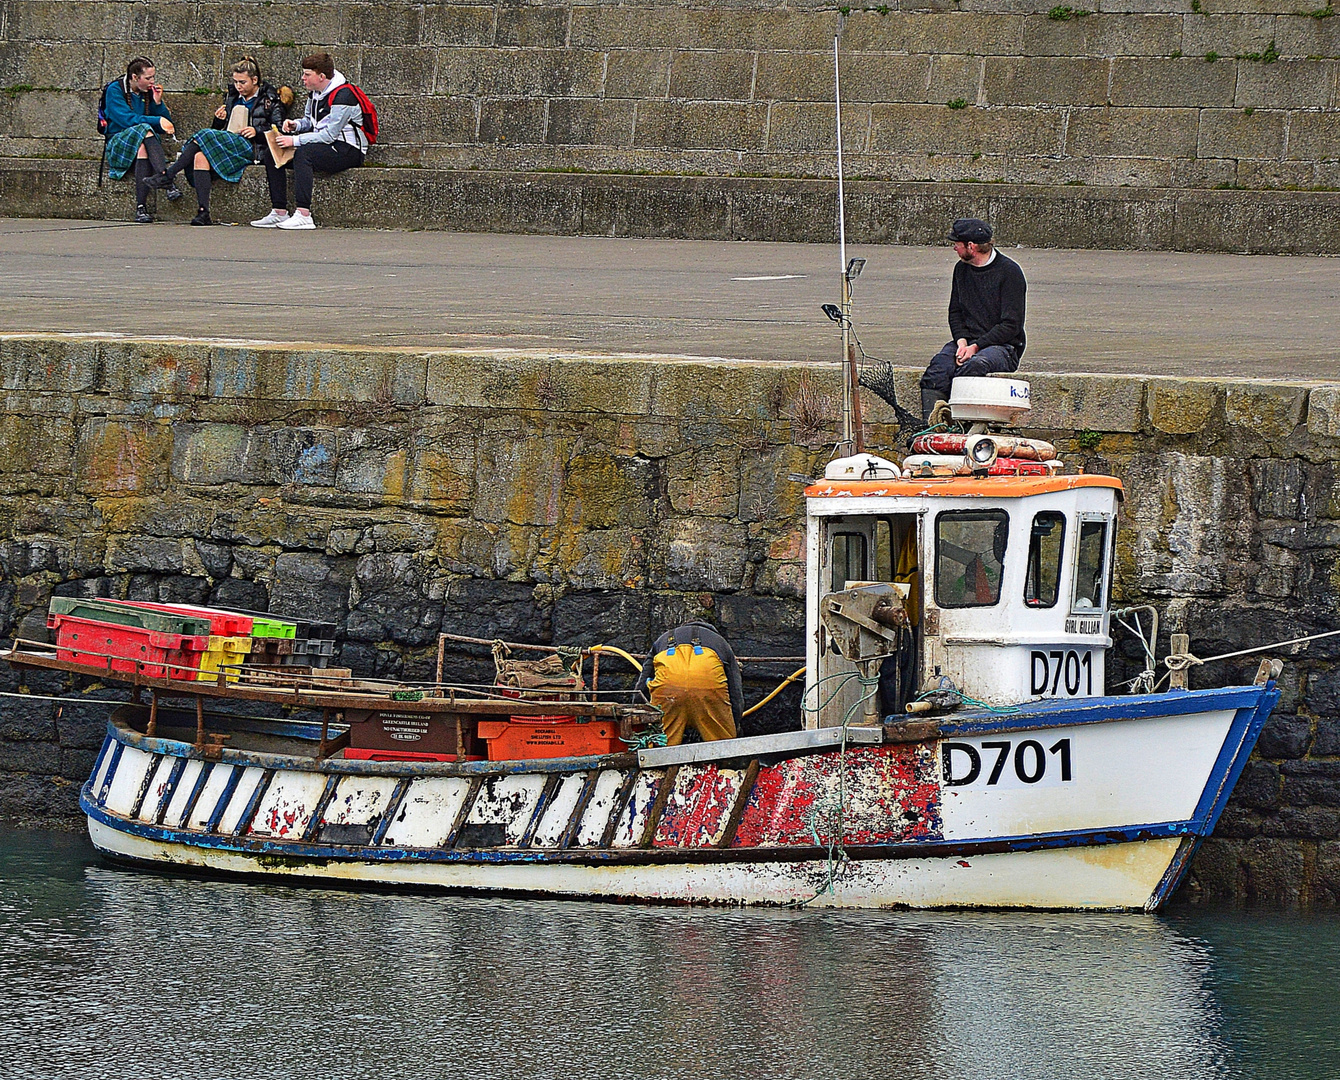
pixel 238 119
pixel 280 154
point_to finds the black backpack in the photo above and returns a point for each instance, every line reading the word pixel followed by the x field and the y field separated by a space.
pixel 102 122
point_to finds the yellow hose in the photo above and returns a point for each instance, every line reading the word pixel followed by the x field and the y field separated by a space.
pixel 617 652
pixel 780 687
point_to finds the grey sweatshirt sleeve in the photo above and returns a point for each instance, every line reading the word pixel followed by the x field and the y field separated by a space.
pixel 328 130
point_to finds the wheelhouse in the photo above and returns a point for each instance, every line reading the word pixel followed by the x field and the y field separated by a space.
pixel 1005 583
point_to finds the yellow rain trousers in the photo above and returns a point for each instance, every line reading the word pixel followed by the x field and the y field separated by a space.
pixel 689 686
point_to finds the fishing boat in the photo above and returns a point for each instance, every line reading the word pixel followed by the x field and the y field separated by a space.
pixel 957 744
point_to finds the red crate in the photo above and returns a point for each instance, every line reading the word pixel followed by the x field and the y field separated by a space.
pixel 221 623
pixel 355 753
pixel 157 654
pixel 523 739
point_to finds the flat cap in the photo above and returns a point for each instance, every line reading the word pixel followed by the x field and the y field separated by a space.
pixel 970 230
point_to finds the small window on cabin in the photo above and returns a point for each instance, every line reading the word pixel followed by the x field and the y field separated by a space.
pixel 970 557
pixel 1091 566
pixel 848 559
pixel 1045 543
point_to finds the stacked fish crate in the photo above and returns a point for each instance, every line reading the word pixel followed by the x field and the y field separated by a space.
pixel 185 642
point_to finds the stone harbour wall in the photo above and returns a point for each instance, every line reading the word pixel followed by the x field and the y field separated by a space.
pixel 1141 105
pixel 548 497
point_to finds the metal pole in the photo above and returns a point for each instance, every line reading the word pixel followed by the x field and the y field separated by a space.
pixel 848 429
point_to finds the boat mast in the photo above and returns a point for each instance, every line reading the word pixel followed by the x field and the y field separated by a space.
pixel 853 437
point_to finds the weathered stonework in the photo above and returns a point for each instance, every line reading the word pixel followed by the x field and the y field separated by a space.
pixel 573 498
pixel 1170 116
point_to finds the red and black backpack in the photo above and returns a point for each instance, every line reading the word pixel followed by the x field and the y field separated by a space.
pixel 369 125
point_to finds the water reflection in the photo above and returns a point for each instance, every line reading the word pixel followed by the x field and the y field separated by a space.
pixel 112 973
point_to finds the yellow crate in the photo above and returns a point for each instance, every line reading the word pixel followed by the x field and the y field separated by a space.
pixel 223 652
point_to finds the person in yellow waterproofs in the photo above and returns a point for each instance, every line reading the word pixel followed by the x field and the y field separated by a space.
pixel 694 679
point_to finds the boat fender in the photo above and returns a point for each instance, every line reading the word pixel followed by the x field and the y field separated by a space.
pixel 1011 446
pixel 862 467
pixel 924 465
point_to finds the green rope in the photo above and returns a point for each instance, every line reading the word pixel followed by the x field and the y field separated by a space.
pixel 836 854
pixel 999 710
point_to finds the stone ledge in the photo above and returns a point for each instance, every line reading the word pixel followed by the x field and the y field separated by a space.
pixel 732 208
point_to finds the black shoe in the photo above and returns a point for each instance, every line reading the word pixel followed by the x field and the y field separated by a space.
pixel 142 216
pixel 163 180
pixel 202 218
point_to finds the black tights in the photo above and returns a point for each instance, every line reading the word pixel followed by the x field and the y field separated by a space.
pixel 151 164
pixel 198 178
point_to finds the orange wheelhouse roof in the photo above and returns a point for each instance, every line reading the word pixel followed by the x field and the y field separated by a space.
pixel 991 487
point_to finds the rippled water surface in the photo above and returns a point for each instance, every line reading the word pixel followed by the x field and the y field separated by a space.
pixel 112 973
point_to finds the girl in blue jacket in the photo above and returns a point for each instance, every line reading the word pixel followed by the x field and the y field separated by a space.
pixel 136 120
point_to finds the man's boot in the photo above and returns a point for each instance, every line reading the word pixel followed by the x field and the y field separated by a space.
pixel 929 399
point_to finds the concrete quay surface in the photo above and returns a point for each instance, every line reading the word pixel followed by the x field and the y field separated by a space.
pixel 1131 312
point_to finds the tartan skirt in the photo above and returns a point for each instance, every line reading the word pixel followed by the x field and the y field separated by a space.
pixel 228 153
pixel 122 148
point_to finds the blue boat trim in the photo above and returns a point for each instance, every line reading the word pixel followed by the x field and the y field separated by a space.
pixel 253 803
pixel 1101 710
pixel 117 751
pixel 174 779
pixel 225 797
pixel 140 796
pixel 302 850
pixel 194 797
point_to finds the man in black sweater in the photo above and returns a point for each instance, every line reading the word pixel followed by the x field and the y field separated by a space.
pixel 986 314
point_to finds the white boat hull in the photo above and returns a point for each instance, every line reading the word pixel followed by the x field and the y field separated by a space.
pixel 1093 804
pixel 1105 877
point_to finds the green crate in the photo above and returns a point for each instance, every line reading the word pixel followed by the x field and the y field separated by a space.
pixel 272 628
pixel 123 614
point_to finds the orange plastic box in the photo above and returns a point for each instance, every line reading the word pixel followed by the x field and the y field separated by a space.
pixel 525 741
pixel 355 753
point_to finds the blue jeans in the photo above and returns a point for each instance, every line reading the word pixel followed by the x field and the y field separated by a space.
pixel 942 370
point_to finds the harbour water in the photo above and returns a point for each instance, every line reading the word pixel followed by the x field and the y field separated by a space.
pixel 112 973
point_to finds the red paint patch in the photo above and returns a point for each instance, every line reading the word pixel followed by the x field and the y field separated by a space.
pixel 890 794
pixel 697 809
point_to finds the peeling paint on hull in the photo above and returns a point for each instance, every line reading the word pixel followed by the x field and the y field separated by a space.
pixel 1099 805
pixel 1113 876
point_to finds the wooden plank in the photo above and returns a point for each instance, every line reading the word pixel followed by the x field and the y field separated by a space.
pixel 467 804
pixel 658 806
pixel 741 801
pixel 617 808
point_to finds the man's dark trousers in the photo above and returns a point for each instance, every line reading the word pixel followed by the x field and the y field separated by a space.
pixel 942 370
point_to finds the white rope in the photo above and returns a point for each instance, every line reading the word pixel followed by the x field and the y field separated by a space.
pixel 1182 661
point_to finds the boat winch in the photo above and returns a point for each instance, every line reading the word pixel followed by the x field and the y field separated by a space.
pixel 866 623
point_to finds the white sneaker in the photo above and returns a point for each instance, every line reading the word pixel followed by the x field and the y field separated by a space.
pixel 297 221
pixel 270 221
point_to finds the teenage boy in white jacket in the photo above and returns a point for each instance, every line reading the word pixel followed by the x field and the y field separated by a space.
pixel 329 138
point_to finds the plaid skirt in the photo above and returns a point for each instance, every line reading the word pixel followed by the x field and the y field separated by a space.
pixel 122 148
pixel 228 153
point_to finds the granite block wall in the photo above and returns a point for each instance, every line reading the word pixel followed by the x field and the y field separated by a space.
pixel 577 499
pixel 1192 97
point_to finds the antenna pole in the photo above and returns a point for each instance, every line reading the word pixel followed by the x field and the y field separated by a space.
pixel 852 434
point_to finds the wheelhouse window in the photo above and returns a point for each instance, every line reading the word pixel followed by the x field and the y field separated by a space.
pixel 1045 544
pixel 848 559
pixel 1091 566
pixel 970 557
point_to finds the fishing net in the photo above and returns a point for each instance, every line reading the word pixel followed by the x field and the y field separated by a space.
pixel 878 377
